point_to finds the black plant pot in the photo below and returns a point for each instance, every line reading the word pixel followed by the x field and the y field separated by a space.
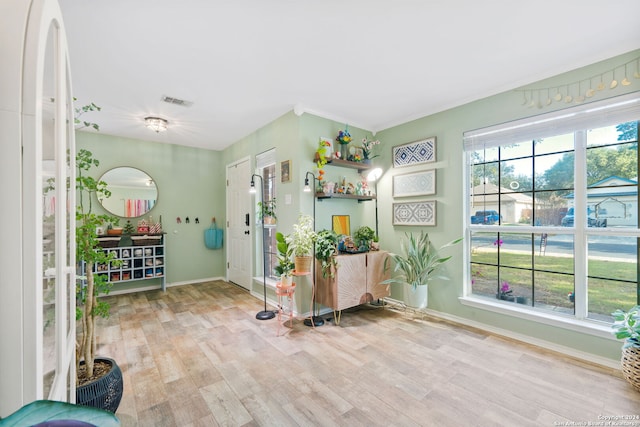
pixel 105 392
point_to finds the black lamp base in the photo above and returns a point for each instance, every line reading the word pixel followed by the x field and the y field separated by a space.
pixel 265 315
pixel 317 321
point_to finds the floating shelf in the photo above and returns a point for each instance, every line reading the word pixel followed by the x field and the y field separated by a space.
pixel 361 167
pixel 321 196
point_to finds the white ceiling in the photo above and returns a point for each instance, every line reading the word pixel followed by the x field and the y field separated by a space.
pixel 369 63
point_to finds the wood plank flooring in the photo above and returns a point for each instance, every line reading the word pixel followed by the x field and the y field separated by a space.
pixel 196 356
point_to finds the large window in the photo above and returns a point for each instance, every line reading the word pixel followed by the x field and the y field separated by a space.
pixel 553 210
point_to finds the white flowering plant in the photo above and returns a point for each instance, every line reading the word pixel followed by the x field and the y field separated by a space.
pixel 367 148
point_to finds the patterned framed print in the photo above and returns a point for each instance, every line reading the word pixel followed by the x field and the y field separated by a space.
pixel 414 153
pixel 415 184
pixel 414 213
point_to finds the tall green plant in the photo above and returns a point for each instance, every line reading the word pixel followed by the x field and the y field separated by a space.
pixel 87 251
pixel 285 256
pixel 419 262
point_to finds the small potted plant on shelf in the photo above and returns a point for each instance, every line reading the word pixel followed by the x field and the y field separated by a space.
pixel 626 326
pixel 363 237
pixel 326 250
pixel 285 265
pixel 301 242
pixel 418 264
pixel 267 211
pixel 344 138
pixel 367 149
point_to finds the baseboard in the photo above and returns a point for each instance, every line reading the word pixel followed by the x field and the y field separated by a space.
pixel 168 285
pixel 567 351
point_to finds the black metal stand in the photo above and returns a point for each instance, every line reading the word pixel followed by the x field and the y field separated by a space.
pixel 313 320
pixel 264 314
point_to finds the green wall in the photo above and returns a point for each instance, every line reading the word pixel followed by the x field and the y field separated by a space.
pixel 190 184
pixel 448 126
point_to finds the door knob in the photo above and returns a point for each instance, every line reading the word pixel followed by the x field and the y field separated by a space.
pixel 246 232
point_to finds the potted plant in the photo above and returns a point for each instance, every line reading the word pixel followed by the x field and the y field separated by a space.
pixel 367 149
pixel 99 380
pixel 363 237
pixel 267 211
pixel 285 265
pixel 418 264
pixel 506 293
pixel 344 138
pixel 626 326
pixel 301 242
pixel 326 250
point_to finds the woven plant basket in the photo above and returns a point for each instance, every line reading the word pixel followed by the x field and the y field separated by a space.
pixel 631 365
pixel 302 264
pixel 105 392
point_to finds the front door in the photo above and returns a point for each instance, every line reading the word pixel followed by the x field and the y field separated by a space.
pixel 239 249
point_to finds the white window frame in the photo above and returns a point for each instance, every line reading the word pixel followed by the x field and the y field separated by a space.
pixel 571 120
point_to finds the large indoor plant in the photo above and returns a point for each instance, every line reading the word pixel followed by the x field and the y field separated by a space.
pixel 419 263
pixel 301 242
pixel 626 326
pixel 98 380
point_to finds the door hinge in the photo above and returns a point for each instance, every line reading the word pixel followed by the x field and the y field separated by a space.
pixel 227 264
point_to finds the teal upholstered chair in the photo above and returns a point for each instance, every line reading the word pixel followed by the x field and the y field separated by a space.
pixel 50 413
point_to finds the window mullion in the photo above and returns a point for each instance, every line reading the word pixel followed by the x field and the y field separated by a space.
pixel 580 225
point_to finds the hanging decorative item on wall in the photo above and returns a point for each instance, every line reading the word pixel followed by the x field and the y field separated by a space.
pixel 415 184
pixel 580 91
pixel 414 213
pixel 285 171
pixel 415 153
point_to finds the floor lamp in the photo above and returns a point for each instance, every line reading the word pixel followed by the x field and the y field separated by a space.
pixel 373 176
pixel 313 320
pixel 264 314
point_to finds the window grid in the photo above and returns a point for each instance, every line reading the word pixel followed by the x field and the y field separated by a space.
pixel 579 231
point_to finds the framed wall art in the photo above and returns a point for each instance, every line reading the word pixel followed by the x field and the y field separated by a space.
pixel 414 213
pixel 285 171
pixel 415 184
pixel 414 153
pixel 341 224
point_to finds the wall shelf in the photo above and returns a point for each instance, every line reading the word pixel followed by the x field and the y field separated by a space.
pixel 361 167
pixel 322 196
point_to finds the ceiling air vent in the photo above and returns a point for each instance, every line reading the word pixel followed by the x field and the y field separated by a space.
pixel 176 101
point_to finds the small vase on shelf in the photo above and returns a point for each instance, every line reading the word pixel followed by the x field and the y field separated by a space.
pixel 344 151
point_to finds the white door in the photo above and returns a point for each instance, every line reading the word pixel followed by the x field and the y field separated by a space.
pixel 239 217
pixel 38 351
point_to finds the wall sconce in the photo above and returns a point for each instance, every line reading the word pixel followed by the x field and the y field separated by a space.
pixel 156 124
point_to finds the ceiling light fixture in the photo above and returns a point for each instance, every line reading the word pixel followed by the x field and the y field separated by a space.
pixel 156 124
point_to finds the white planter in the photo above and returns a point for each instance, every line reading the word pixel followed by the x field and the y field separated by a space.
pixel 416 298
pixel 286 281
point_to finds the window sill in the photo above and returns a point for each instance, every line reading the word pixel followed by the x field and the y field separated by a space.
pixel 585 326
pixel 271 283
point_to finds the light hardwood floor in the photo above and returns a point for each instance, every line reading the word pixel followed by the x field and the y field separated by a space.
pixel 196 356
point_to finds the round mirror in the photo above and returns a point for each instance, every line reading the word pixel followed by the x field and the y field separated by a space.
pixel 133 192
